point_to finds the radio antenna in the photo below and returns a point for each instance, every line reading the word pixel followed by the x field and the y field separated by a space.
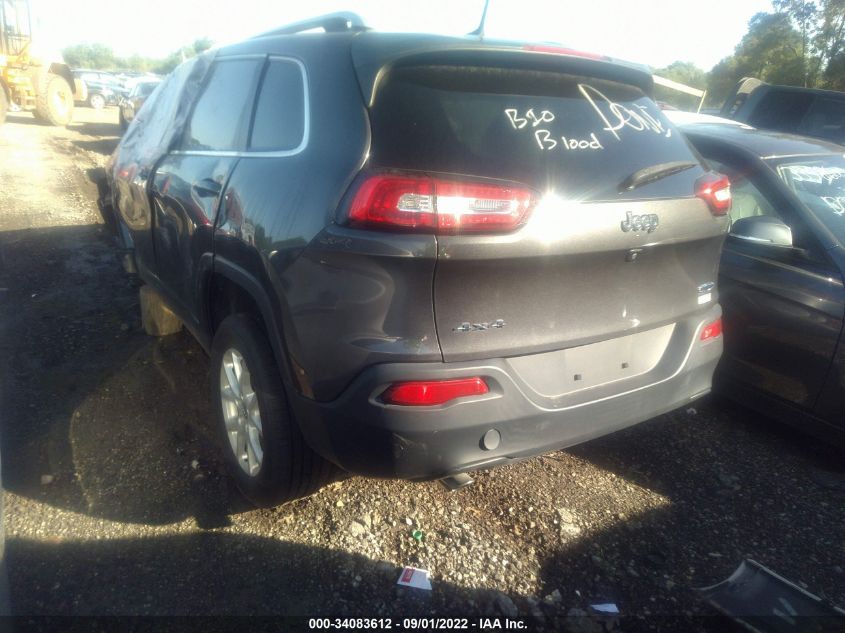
pixel 480 30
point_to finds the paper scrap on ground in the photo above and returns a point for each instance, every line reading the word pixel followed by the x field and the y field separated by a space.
pixel 605 607
pixel 413 577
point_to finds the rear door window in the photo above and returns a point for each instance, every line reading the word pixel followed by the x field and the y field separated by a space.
pixel 220 119
pixel 280 114
pixel 580 136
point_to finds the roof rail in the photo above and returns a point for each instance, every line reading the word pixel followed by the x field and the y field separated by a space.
pixel 330 23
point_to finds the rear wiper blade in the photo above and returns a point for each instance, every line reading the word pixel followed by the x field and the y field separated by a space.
pixel 655 172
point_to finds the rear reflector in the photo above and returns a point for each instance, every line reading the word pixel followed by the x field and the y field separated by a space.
pixel 434 205
pixel 712 330
pixel 431 392
pixel 715 190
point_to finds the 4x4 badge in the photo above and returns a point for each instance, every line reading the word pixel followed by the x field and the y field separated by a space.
pixel 479 327
pixel 647 222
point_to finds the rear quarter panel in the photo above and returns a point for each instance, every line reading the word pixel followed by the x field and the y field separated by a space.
pixel 274 207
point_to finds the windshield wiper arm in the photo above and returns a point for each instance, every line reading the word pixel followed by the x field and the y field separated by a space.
pixel 655 172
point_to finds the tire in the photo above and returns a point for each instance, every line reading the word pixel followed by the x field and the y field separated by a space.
pixel 97 101
pixel 122 119
pixel 288 469
pixel 4 105
pixel 54 102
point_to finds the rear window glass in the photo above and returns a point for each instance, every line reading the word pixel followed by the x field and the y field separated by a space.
pixel 825 119
pixel 280 112
pixel 577 135
pixel 221 115
pixel 781 110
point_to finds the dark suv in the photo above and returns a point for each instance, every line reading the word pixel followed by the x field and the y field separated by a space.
pixel 416 256
pixel 807 111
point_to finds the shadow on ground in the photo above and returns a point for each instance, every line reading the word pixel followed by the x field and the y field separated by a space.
pixel 82 383
pixel 96 129
pixel 214 574
pixel 24 118
pixel 99 129
pixel 99 418
pixel 105 137
pixel 740 486
pixel 103 146
pixel 205 574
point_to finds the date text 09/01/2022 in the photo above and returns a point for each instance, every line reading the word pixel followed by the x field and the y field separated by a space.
pixel 411 624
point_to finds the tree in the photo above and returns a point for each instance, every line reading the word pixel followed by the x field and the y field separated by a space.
pixel 101 57
pixel 770 50
pixel 202 44
pixel 170 62
pixel 685 73
pixel 822 27
pixel 98 56
pixel 806 15
pixel 721 79
pixel 830 44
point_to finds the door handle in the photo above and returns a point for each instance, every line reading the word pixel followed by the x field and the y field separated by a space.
pixel 207 188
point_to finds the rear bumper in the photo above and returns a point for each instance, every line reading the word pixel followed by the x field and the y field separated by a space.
pixel 364 436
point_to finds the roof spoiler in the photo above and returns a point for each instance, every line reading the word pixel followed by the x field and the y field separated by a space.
pixel 339 22
pixel 373 65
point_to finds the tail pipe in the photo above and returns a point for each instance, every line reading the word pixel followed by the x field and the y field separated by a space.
pixel 456 482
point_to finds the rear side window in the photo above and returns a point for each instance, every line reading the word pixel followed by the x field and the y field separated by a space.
pixel 280 112
pixel 580 136
pixel 781 110
pixel 221 115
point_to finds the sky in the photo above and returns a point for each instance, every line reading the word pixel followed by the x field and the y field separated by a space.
pixel 654 32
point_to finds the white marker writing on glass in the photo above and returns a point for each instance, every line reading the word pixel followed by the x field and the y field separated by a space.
pixel 574 143
pixel 624 117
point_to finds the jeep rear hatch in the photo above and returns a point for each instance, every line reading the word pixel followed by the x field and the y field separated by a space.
pixel 564 203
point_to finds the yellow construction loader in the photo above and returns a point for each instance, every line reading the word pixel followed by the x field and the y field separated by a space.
pixel 29 79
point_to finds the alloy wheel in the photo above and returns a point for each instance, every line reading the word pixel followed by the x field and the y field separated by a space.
pixel 241 413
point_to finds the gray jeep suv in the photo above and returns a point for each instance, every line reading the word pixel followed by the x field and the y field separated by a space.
pixel 416 256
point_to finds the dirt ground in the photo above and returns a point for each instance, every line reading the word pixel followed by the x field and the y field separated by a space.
pixel 116 502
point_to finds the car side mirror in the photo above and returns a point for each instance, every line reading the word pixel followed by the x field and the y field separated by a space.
pixel 762 229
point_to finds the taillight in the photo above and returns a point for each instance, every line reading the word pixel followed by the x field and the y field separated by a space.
pixel 715 190
pixel 435 205
pixel 711 330
pixel 560 50
pixel 431 392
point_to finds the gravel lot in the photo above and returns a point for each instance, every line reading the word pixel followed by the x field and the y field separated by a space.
pixel 116 502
